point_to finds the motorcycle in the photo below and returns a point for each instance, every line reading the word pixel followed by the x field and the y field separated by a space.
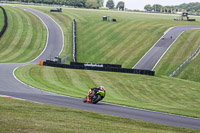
pixel 94 96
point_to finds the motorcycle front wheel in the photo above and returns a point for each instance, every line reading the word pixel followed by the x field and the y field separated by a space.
pixel 97 99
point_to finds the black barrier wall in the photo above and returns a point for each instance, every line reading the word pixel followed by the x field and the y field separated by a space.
pixel 74 42
pixel 5 22
pixel 96 65
pixel 99 67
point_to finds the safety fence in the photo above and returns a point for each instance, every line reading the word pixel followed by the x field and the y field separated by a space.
pixel 74 42
pixel 188 60
pixel 5 22
pixel 98 67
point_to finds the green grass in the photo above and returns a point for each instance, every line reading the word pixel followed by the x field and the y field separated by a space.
pixel 1 19
pixel 25 37
pixel 180 51
pixel 191 71
pixel 123 42
pixel 21 116
pixel 153 93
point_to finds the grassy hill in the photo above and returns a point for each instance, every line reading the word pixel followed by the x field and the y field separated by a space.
pixel 25 37
pixel 22 116
pixel 1 19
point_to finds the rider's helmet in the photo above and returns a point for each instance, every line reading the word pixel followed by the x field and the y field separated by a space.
pixel 102 88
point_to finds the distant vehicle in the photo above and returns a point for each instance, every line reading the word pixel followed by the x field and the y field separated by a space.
pixel 56 10
pixel 176 18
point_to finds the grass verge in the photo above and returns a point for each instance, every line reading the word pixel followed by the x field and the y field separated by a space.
pixel 191 71
pixel 154 93
pixel 22 116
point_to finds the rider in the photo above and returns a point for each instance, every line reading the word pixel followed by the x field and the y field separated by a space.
pixel 92 91
pixel 101 88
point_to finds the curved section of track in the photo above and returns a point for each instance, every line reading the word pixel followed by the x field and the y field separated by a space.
pixel 154 55
pixel 10 86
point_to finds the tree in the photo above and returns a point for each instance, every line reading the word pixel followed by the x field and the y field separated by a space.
pixel 148 8
pixel 157 7
pixel 120 5
pixel 198 12
pixel 79 3
pixel 91 4
pixel 100 3
pixel 110 4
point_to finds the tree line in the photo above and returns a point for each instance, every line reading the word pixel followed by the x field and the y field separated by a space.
pixel 73 3
pixel 192 8
pixel 95 4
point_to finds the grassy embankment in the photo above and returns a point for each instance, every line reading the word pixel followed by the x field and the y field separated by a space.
pixel 1 19
pixel 22 116
pixel 154 93
pixel 25 37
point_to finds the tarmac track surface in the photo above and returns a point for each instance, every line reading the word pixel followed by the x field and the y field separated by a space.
pixel 10 86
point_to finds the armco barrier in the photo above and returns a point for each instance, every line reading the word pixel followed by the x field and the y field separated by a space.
pixel 187 61
pixel 5 22
pixel 99 67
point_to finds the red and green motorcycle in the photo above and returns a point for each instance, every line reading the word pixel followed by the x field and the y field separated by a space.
pixel 95 95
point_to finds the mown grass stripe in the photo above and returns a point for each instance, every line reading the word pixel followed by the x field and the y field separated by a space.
pixel 13 47
pixel 87 42
pixel 104 48
pixel 90 46
pixel 1 19
pixel 24 41
pixel 18 43
pixel 36 39
pixel 10 32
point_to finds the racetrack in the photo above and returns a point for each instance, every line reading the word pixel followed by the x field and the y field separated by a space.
pixel 154 55
pixel 12 87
